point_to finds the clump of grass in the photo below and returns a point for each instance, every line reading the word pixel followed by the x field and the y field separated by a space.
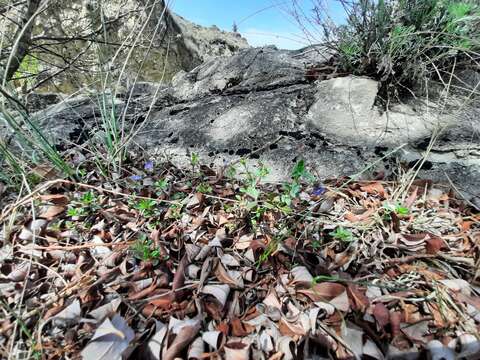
pixel 31 140
pixel 404 43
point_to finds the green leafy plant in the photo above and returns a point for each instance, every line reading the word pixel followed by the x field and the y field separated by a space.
pixel 326 278
pixel 33 142
pixel 112 131
pixel 146 206
pixel 251 190
pixel 14 172
pixel 144 251
pixel 175 211
pixel 70 225
pixel 273 245
pixel 253 178
pixel 231 171
pixel 396 208
pixel 292 189
pixel 75 211
pixel 81 173
pixel 204 188
pixel 35 353
pixel 267 252
pixel 194 160
pixel 178 196
pixel 342 234
pixel 299 172
pixel 162 184
pixel 316 244
pixel 27 71
pixel 86 204
pixel 402 210
pixel 256 214
pixel 88 198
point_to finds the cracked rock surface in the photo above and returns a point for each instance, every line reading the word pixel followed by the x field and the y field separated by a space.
pixel 259 103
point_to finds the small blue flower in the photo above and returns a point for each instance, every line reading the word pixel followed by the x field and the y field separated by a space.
pixel 135 177
pixel 319 191
pixel 148 165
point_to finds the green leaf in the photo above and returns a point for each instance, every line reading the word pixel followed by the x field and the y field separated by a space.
pixel 298 170
pixel 458 10
pixel 194 159
pixel 162 184
pixel 342 234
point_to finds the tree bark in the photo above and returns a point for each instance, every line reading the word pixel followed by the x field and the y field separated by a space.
pixel 23 35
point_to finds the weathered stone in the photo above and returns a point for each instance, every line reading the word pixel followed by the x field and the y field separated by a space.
pixel 468 79
pixel 345 109
pixel 259 104
pixel 39 101
pixel 252 70
pixel 76 120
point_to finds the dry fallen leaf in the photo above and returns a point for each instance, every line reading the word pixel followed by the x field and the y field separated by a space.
pixel 34 228
pixel 214 339
pixel 458 285
pixel 253 288
pixel 381 314
pixel 106 310
pixel 323 291
pixel 157 342
pixel 19 272
pixel 434 245
pixel 56 199
pixel 69 315
pixel 229 277
pixel 301 276
pixel 237 350
pixel 185 332
pixel 374 188
pixel 219 292
pixel 110 341
pixel 52 211
pixel 196 349
pixel 288 328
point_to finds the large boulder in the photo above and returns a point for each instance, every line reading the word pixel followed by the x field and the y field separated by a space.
pixel 260 104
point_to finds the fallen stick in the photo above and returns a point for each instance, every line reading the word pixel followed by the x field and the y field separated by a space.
pixel 407 259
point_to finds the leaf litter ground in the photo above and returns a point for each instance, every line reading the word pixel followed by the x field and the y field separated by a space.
pixel 198 264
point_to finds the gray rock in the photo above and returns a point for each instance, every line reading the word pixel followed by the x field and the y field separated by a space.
pixel 258 103
pixel 39 101
pixel 76 120
pixel 204 43
pixel 252 70
pixel 468 79
pixel 345 108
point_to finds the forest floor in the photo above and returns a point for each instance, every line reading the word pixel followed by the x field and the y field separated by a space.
pixel 200 264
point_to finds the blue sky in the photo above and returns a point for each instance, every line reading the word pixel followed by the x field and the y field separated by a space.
pixel 261 22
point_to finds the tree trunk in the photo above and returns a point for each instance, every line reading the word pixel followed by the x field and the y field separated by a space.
pixel 23 36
